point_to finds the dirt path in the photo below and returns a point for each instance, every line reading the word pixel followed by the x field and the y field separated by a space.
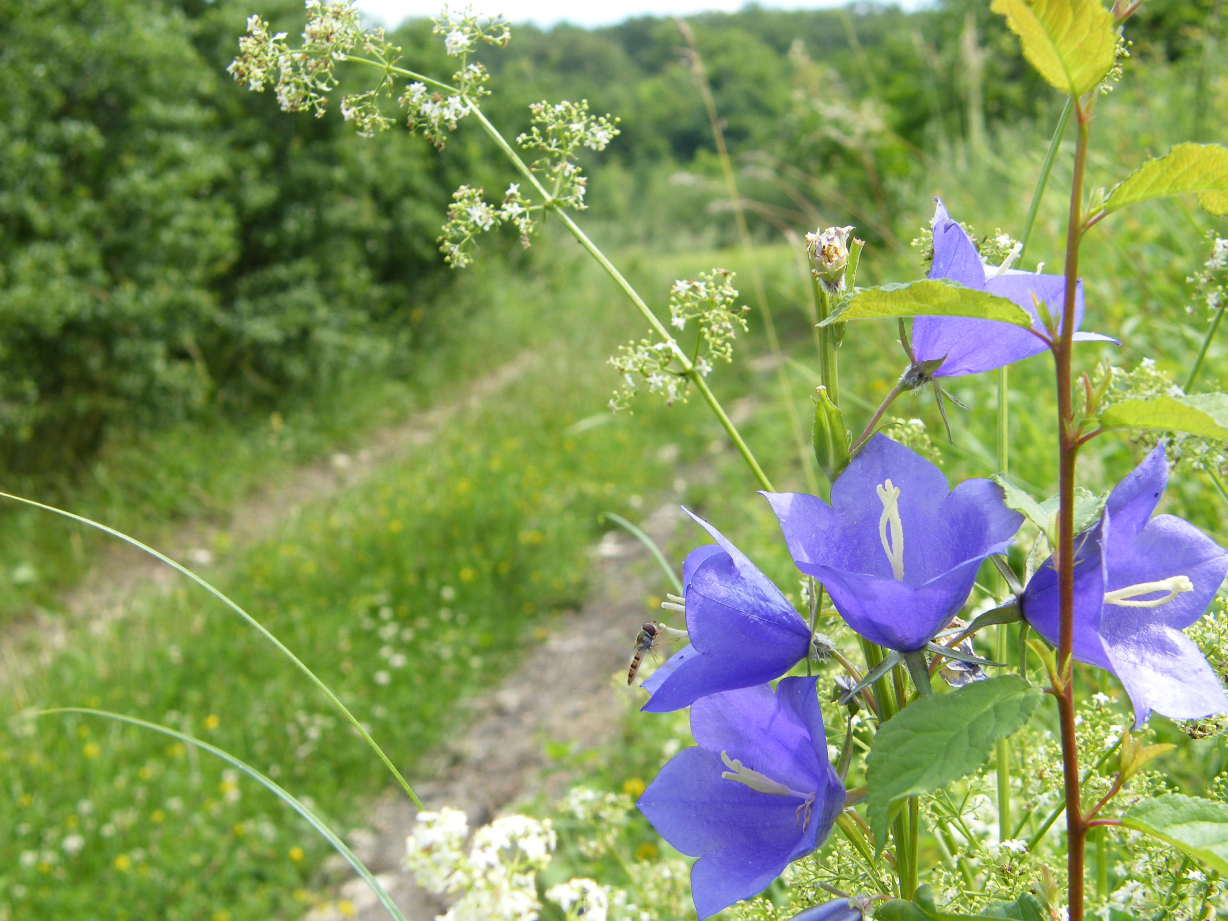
pixel 106 593
pixel 561 692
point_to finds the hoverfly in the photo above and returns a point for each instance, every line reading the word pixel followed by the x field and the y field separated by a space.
pixel 648 637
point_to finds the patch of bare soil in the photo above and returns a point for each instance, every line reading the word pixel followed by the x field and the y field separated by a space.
pixel 561 692
pixel 123 572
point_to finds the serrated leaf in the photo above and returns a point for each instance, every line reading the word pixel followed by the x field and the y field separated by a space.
pixel 1203 414
pixel 937 740
pixel 1044 514
pixel 922 908
pixel 931 297
pixel 1071 43
pixel 1197 827
pixel 1201 168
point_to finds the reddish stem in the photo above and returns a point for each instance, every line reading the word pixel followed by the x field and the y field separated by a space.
pixel 1104 823
pixel 1069 448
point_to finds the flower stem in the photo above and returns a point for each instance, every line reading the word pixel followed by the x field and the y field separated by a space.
pixel 1043 179
pixel 878 414
pixel 688 366
pixel 827 341
pixel 1068 436
pixel 1206 344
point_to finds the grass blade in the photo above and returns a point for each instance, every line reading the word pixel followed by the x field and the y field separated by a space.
pixel 216 593
pixel 651 545
pixel 282 794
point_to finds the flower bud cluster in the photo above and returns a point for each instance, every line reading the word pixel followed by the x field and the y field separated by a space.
pixel 303 77
pixel 711 301
pixel 581 900
pixel 471 215
pixel 559 131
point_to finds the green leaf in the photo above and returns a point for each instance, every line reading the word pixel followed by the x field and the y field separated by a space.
pixel 1071 43
pixel 922 908
pixel 1044 514
pixel 1201 168
pixel 938 740
pixel 830 440
pixel 1203 414
pixel 928 298
pixel 1197 827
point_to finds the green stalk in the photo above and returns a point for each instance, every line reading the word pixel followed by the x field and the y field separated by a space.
pixel 324 689
pixel 1043 180
pixel 827 341
pixel 688 366
pixel 914 828
pixel 1206 344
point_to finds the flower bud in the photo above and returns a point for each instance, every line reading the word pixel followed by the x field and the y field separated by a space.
pixel 831 443
pixel 829 253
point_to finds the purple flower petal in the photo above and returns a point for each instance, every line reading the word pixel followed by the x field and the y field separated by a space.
pixel 1160 668
pixel 955 255
pixel 668 667
pixel 946 537
pixel 1040 601
pixel 742 628
pixel 972 346
pixel 837 910
pixel 743 837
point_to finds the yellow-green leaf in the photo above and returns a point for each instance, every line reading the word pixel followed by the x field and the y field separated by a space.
pixel 1203 414
pixel 1201 168
pixel 1195 826
pixel 930 298
pixel 1071 43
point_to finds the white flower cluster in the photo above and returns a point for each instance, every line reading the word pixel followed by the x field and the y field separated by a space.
pixel 559 131
pixel 464 29
pixel 711 301
pixel 581 900
pixel 303 77
pixel 471 215
pixel 496 880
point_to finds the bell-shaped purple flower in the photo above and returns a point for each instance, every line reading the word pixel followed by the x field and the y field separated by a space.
pixel 1138 582
pixel 897 550
pixel 755 794
pixel 970 346
pixel 743 631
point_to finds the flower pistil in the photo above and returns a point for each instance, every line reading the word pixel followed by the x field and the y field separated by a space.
pixel 1174 586
pixel 889 495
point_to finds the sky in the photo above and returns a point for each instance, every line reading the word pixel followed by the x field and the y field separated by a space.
pixel 604 12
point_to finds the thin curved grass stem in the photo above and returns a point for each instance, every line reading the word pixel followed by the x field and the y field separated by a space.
pixel 216 593
pixel 281 793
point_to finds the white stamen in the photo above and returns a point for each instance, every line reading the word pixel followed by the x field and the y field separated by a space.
pixel 889 495
pixel 672 606
pixel 1174 586
pixel 757 781
pixel 995 271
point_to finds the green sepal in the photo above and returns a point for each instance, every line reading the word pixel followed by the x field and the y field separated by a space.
pixel 830 438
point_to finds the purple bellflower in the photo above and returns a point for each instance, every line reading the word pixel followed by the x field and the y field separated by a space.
pixel 897 550
pixel 1138 582
pixel 971 346
pixel 755 794
pixel 743 631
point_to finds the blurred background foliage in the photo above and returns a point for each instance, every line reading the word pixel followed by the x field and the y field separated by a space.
pixel 173 246
pixel 199 292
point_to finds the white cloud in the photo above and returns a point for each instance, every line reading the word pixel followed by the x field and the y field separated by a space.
pixel 549 12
